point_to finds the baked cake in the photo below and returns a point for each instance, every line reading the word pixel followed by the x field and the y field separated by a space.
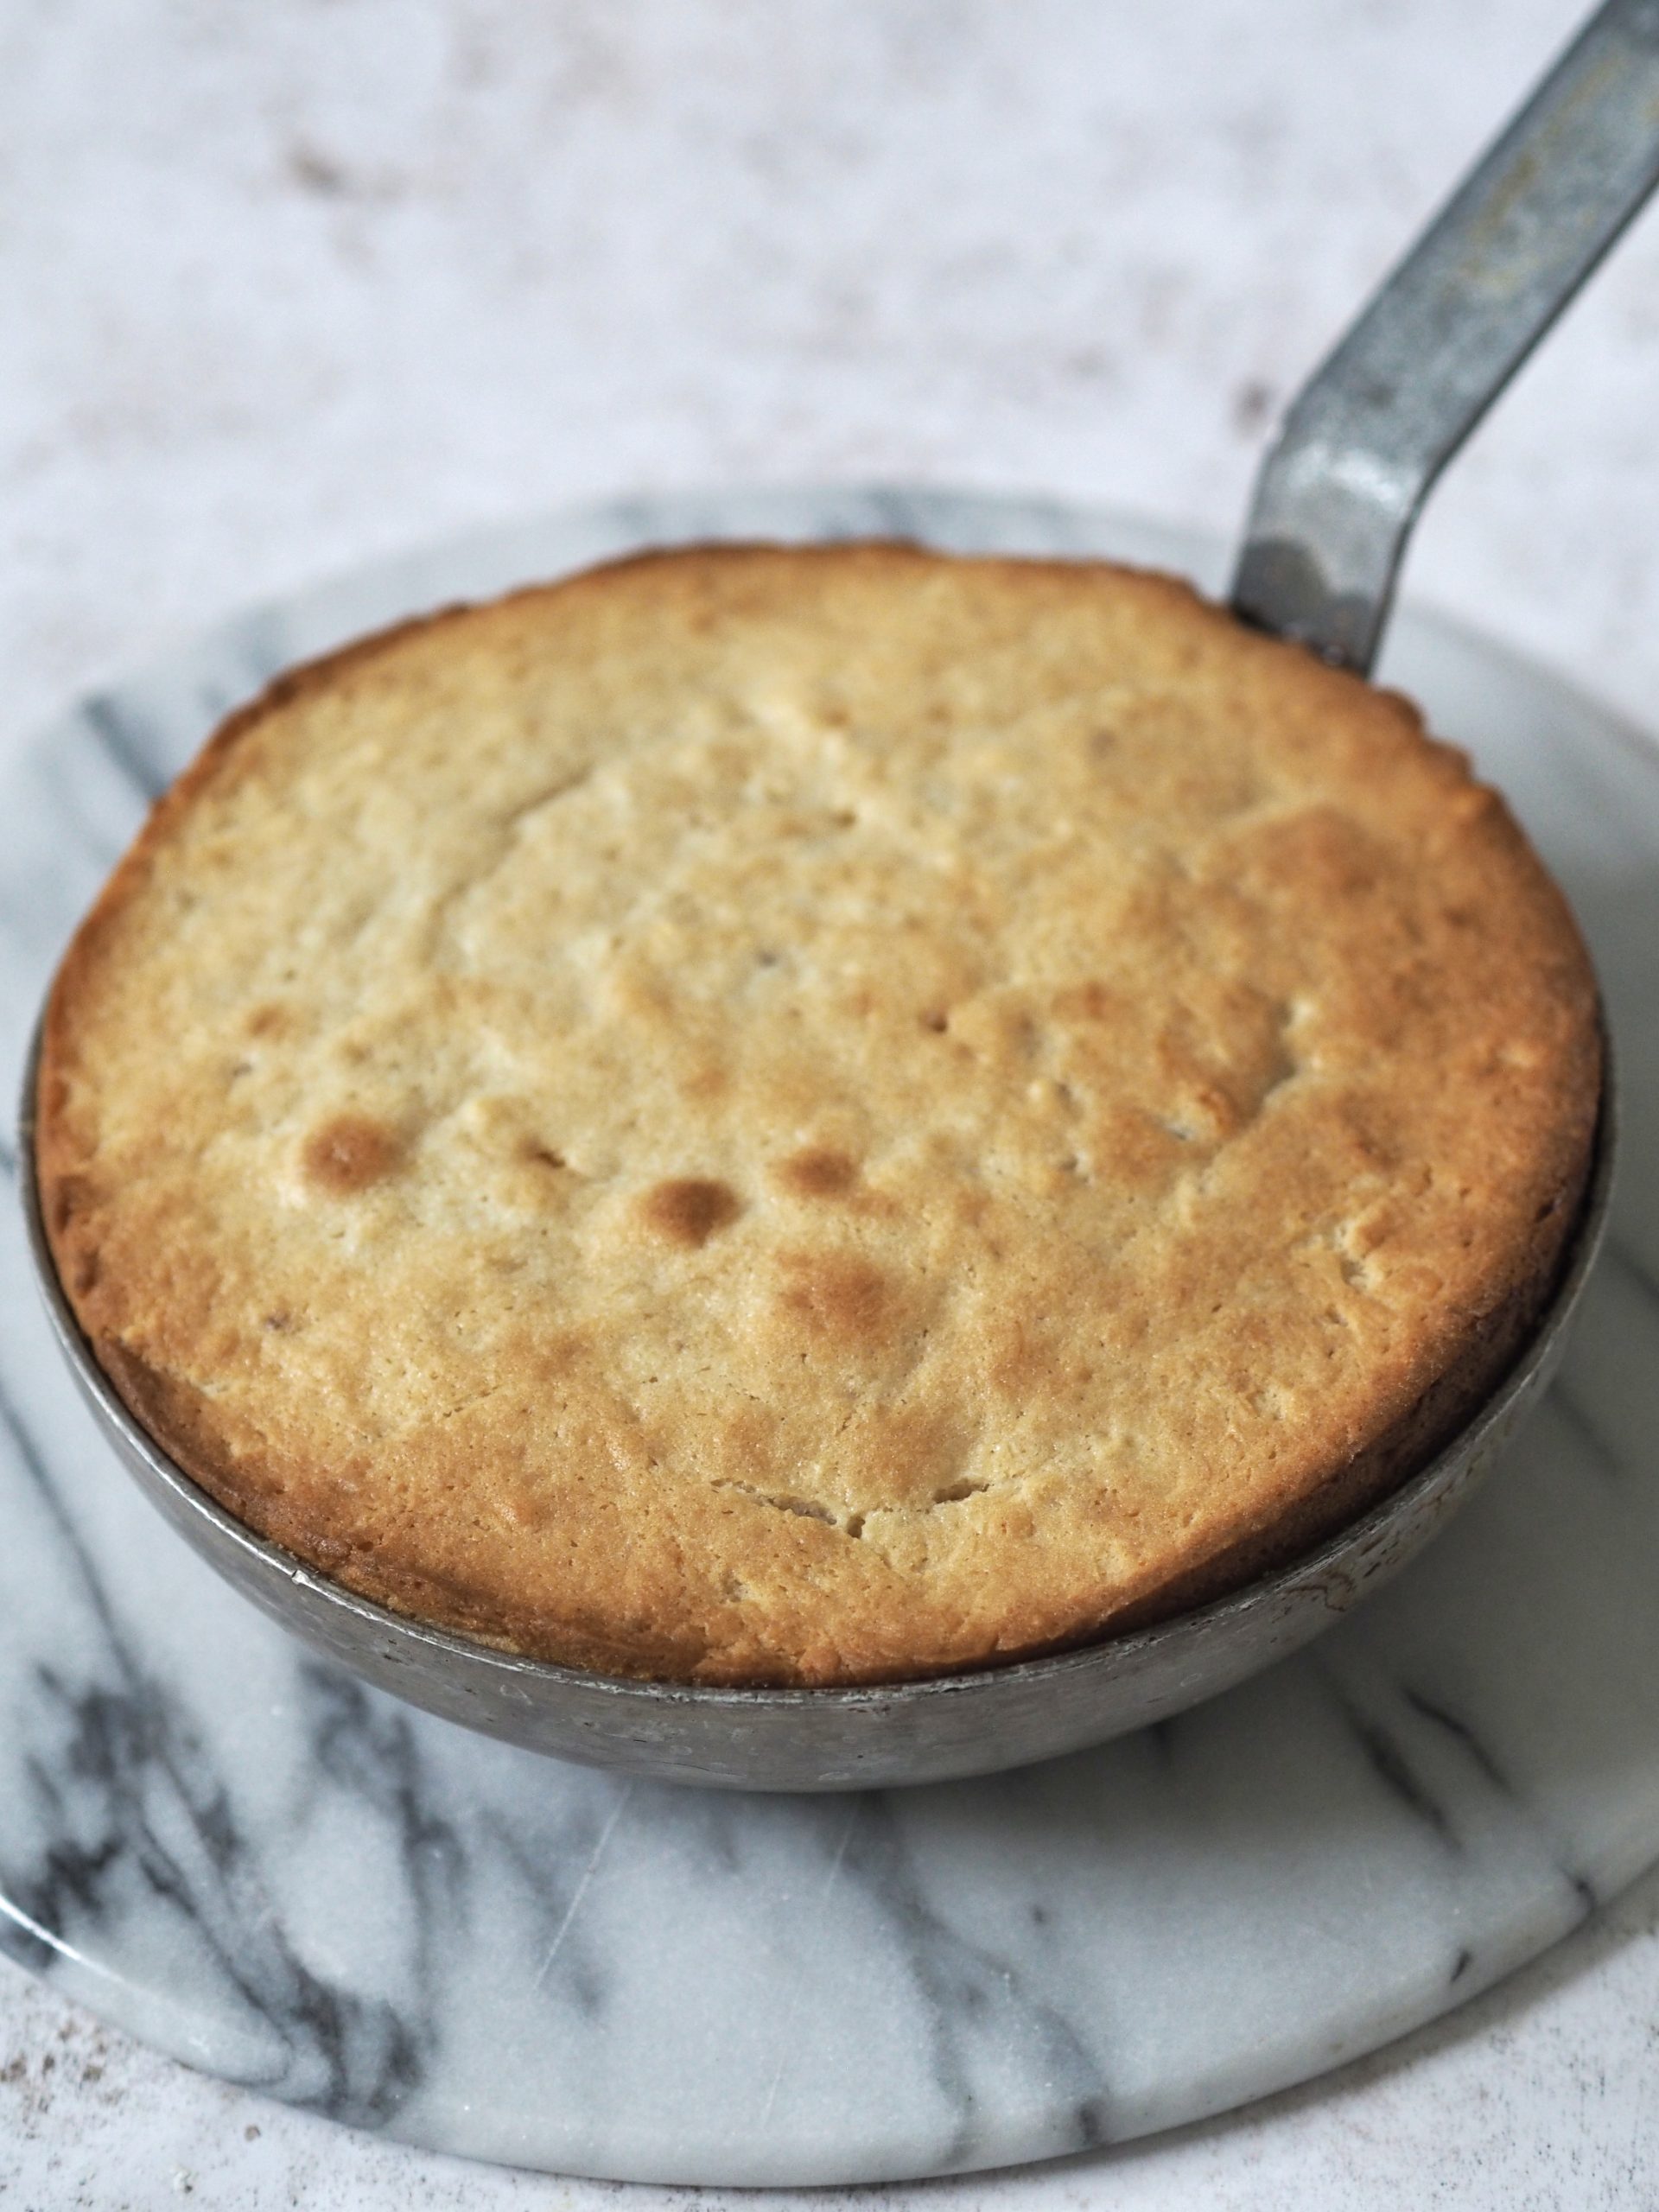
pixel 769 1115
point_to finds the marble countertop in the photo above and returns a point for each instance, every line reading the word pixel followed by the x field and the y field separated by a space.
pixel 286 293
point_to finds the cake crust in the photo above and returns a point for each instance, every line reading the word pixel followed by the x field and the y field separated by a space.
pixel 811 1115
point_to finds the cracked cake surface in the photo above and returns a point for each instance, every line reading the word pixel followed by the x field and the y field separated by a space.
pixel 816 1114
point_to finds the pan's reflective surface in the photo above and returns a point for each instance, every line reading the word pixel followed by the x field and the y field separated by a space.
pixel 933 1731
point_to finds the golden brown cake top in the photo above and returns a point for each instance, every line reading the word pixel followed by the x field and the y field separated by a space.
pixel 769 1115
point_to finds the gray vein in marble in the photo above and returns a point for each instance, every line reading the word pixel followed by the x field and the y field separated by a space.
pixel 1395 1770
pixel 1620 1249
pixel 971 1995
pixel 1565 1405
pixel 129 742
pixel 1480 1757
pixel 129 1788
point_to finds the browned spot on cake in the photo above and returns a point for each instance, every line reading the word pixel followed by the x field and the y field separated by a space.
pixel 1328 856
pixel 1140 1151
pixel 1021 1363
pixel 266 1021
pixel 351 1151
pixel 817 1174
pixel 743 1445
pixel 706 1081
pixel 687 1210
pixel 837 1295
pixel 1090 1002
pixel 908 1456
pixel 72 1197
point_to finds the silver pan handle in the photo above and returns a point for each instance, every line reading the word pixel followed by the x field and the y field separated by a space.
pixel 1367 437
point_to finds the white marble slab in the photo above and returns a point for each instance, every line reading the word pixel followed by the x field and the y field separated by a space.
pixel 249 1860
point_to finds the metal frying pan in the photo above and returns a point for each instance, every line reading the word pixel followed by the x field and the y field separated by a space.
pixel 1333 506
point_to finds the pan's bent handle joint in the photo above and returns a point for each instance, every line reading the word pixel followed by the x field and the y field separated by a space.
pixel 1365 439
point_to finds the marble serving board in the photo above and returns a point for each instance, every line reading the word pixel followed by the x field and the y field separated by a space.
pixel 243 1856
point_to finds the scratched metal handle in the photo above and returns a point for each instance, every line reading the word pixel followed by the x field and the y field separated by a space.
pixel 1366 438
